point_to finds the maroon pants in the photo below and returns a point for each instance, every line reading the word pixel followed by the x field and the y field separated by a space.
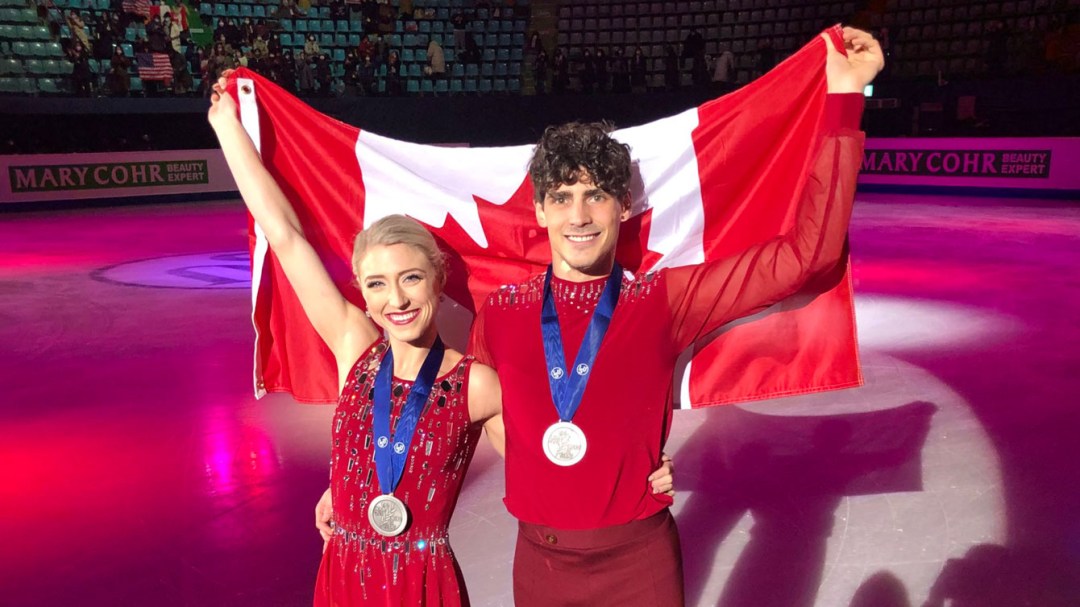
pixel 638 563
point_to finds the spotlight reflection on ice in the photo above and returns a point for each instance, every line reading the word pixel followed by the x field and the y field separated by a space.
pixel 902 324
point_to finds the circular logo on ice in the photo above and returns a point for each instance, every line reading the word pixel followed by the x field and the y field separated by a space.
pixel 228 270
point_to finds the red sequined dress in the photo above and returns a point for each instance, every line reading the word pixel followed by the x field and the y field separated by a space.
pixel 416 568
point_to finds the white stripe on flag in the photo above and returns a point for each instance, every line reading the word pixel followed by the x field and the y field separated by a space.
pixel 249 117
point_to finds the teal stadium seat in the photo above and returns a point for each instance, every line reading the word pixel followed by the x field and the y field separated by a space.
pixel 27 85
pixel 48 85
pixel 10 67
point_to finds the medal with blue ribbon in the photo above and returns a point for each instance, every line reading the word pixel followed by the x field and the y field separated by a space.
pixel 387 514
pixel 564 442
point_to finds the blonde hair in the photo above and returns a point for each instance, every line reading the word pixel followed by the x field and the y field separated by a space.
pixel 399 229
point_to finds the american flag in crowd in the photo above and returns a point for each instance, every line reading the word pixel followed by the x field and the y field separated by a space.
pixel 137 7
pixel 154 66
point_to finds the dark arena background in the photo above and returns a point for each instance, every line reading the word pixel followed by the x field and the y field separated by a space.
pixel 137 468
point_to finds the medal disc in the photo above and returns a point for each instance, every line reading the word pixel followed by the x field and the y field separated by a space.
pixel 564 443
pixel 388 515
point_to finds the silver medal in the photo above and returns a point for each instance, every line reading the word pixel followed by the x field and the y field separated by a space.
pixel 388 515
pixel 564 443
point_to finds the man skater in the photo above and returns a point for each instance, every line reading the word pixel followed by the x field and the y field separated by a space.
pixel 590 531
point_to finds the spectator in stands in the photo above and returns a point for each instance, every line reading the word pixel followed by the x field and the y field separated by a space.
pixel 600 60
pixel 587 74
pixel 382 50
pixel 119 79
pixel 103 37
pixel 323 76
pixel 305 75
pixel 620 72
pixel 638 69
pixel 405 9
pixel 259 48
pixel 367 76
pixel 436 66
pixel 311 48
pixel 78 28
pixel 273 44
pixel 693 47
pixel 287 72
pixel 671 68
pixel 155 35
pixel 194 55
pixel 239 59
pixel 457 22
pixel 233 34
pixel 247 31
pixel 723 77
pixel 287 10
pixel 540 71
pixel 387 18
pixel 369 16
pixel 338 10
pixel 366 48
pixel 560 68
pixel 81 77
pixel 182 82
pixel 471 54
pixel 350 76
pixel 220 31
pixel 174 31
pixel 393 75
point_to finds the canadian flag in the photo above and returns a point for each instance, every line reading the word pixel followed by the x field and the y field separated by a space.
pixel 708 183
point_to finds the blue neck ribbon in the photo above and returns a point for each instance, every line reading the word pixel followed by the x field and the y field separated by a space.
pixel 392 451
pixel 568 385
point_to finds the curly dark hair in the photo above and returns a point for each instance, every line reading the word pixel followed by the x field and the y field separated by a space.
pixel 565 153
